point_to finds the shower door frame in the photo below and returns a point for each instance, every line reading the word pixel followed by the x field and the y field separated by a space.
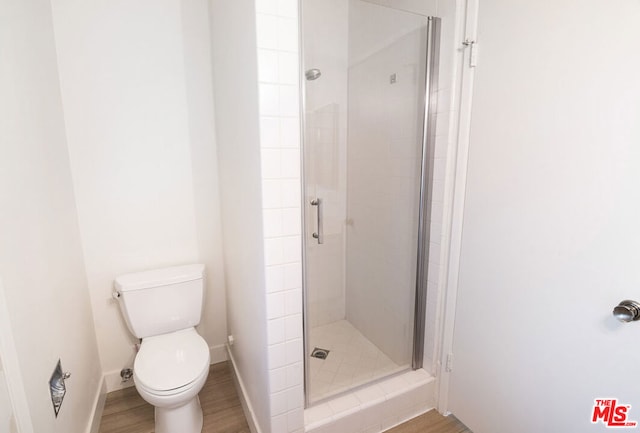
pixel 426 186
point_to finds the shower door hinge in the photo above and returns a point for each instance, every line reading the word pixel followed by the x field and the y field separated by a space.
pixel 473 54
pixel 449 366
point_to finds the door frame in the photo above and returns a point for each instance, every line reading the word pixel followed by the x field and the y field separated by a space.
pixel 466 20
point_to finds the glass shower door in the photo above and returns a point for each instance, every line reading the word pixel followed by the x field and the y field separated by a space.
pixel 364 119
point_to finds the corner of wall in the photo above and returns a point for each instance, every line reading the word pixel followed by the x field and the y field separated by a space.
pixel 98 407
pixel 279 96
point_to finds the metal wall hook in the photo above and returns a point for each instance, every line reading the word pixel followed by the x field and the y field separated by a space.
pixel 627 311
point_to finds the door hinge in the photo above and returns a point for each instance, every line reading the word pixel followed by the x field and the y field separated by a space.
pixel 473 54
pixel 449 366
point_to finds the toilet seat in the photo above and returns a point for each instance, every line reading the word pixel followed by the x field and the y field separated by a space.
pixel 177 392
pixel 171 363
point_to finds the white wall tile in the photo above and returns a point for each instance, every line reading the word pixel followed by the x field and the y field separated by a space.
pixel 277 35
pixel 275 305
pixel 291 222
pixel 276 331
pixel 317 412
pixel 344 403
pixel 295 398
pixel 272 221
pixel 370 409
pixel 271 163
pixel 295 420
pixel 292 249
pixel 274 251
pixel 279 405
pixel 292 329
pixel 351 423
pixel 294 350
pixel 290 193
pixel 269 132
pixel 289 100
pixel 370 395
pixel 288 8
pixel 278 379
pixel 279 423
pixel 269 99
pixel 277 355
pixel 274 279
pixel 268 63
pixel 267 7
pixel 293 301
pixel 287 34
pixel 288 68
pixel 290 163
pixel 267 31
pixel 292 276
pixel 290 136
pixel 271 194
pixel 295 375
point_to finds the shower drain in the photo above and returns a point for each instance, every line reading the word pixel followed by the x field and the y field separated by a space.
pixel 320 353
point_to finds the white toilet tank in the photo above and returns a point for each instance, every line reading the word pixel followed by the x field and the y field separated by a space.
pixel 161 301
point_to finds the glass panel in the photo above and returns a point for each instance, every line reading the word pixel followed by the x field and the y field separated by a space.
pixel 364 109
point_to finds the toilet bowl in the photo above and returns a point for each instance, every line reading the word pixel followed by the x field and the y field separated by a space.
pixel 169 372
pixel 162 307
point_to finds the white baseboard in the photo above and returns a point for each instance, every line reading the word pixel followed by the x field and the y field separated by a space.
pixel 98 408
pixel 242 393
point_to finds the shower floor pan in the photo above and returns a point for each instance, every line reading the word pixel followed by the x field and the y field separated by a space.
pixel 352 361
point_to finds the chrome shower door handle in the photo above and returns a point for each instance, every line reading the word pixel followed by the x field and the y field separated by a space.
pixel 627 311
pixel 319 235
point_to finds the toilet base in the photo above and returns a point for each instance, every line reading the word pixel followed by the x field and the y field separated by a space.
pixel 183 419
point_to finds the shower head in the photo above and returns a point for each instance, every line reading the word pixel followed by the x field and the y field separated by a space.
pixel 312 74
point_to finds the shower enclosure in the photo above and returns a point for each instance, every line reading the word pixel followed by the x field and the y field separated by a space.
pixel 368 74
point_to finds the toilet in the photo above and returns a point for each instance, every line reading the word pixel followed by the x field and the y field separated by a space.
pixel 162 307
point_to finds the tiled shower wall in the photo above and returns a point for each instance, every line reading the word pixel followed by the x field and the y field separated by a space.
pixel 277 41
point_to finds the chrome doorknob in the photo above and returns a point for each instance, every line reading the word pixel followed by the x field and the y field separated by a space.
pixel 627 311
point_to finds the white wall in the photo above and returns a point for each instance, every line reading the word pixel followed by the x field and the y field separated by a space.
pixel 238 136
pixel 41 259
pixel 204 166
pixel 14 408
pixel 138 109
pixel 6 408
pixel 550 218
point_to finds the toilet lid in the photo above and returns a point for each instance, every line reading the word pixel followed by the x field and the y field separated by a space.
pixel 171 361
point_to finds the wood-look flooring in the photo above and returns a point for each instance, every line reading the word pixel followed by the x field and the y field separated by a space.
pixel 126 412
pixel 431 422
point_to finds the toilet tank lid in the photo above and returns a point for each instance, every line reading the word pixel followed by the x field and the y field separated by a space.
pixel 159 277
